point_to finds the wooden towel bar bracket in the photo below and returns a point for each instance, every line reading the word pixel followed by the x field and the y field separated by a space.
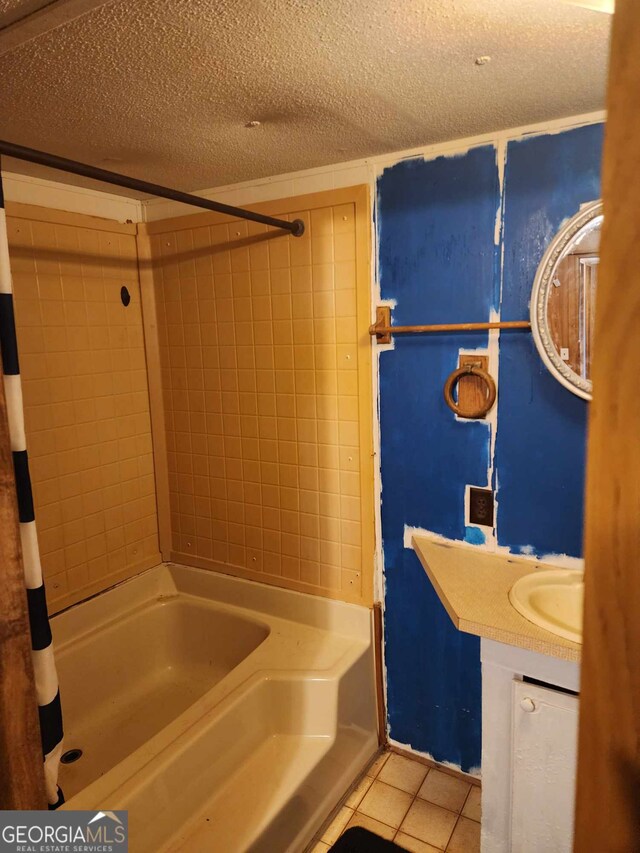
pixel 482 408
pixel 383 330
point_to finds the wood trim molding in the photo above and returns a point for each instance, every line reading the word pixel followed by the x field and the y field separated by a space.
pixel 608 805
pixel 21 768
pixel 378 657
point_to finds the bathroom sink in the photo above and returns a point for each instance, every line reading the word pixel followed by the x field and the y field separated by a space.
pixel 552 600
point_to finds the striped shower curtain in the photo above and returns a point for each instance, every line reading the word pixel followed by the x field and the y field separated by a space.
pixel 46 677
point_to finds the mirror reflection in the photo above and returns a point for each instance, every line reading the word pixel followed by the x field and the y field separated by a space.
pixel 571 299
pixel 563 300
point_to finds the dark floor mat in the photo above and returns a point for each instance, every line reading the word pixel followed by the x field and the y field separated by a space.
pixel 359 840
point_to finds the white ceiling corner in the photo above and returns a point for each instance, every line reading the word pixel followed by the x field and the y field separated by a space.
pixel 24 20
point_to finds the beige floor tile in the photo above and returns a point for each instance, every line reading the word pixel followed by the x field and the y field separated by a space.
pixel 444 790
pixel 320 847
pixel 336 827
pixel 429 823
pixel 402 772
pixel 378 764
pixel 413 845
pixel 369 823
pixel 472 808
pixel 386 804
pixel 355 797
pixel 466 837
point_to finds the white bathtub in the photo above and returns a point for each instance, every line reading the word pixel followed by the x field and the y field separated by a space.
pixel 223 714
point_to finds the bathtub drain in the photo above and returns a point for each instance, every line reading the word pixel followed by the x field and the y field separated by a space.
pixel 70 756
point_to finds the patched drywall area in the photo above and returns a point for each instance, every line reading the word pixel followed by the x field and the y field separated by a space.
pixel 460 239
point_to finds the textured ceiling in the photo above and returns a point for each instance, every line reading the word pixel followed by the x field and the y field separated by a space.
pixel 13 10
pixel 162 89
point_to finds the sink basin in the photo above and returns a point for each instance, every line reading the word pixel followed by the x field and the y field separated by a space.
pixel 552 600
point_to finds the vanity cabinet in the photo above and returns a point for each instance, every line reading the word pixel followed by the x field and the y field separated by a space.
pixel 529 750
pixel 529 698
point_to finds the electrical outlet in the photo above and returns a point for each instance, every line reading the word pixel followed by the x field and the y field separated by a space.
pixel 481 506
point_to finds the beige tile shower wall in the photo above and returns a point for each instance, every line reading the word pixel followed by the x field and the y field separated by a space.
pixel 86 399
pixel 266 378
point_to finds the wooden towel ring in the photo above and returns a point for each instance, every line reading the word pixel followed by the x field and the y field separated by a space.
pixel 454 378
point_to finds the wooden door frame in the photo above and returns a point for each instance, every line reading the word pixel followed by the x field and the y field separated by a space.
pixel 21 760
pixel 608 799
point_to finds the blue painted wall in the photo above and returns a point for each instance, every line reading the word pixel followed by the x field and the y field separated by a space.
pixel 540 448
pixel 438 259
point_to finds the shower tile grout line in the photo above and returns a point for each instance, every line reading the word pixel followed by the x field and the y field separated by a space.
pixel 320 845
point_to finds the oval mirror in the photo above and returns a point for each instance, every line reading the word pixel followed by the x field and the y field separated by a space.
pixel 563 300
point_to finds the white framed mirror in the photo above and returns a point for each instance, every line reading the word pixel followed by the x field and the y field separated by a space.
pixel 563 300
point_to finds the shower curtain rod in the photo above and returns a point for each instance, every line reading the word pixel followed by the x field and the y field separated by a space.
pixel 19 152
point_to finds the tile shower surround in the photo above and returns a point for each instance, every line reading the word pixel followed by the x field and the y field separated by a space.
pixel 261 377
pixel 86 399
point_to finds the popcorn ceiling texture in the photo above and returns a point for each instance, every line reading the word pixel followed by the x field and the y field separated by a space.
pixel 13 10
pixel 162 89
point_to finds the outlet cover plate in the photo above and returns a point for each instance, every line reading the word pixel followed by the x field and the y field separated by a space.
pixel 480 506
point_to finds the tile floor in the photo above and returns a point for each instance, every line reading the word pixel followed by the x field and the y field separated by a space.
pixel 421 809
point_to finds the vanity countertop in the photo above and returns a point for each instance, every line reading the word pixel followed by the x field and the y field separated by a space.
pixel 474 587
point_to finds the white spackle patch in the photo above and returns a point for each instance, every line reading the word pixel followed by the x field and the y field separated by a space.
pixel 491 420
pixel 501 162
pixel 526 554
pixel 392 304
pixel 475 771
pixel 555 561
pixel 477 351
pixel 410 532
pixel 564 561
pixel 494 367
